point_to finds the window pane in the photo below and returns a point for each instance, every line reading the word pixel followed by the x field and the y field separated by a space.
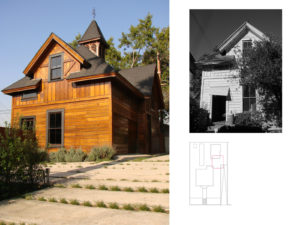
pixel 246 104
pixel 246 91
pixel 52 120
pixel 55 61
pixel 51 136
pixel 29 95
pixel 252 92
pixel 253 104
pixel 55 74
pixel 58 136
pixel 58 120
pixel 27 123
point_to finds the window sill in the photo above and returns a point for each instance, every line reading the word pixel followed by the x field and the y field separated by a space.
pixel 50 81
pixel 28 99
pixel 55 146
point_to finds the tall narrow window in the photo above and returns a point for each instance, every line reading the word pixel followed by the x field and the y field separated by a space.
pixel 55 67
pixel 28 122
pixel 247 45
pixel 249 99
pixel 55 127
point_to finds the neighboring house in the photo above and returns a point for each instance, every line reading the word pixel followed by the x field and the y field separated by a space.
pixel 221 93
pixel 73 98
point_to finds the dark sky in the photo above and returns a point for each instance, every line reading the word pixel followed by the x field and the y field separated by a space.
pixel 208 28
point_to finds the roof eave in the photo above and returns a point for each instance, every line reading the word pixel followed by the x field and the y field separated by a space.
pixel 52 37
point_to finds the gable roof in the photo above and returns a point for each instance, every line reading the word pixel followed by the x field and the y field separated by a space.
pixel 93 32
pixel 96 65
pixel 141 77
pixel 52 37
pixel 216 59
pixel 229 42
pixel 26 83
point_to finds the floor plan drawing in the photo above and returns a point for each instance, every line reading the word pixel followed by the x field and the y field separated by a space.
pixel 208 173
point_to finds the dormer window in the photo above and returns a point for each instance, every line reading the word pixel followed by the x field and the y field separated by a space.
pixel 247 45
pixel 56 67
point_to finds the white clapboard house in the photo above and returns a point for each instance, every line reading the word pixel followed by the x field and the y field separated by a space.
pixel 221 92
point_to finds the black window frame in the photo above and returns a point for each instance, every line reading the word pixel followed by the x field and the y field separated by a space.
pixel 51 68
pixel 246 50
pixel 62 111
pixel 250 92
pixel 27 118
pixel 30 97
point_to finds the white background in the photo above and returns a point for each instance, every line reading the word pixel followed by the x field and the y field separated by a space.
pixel 264 169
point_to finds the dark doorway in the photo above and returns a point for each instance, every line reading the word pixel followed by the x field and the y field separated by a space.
pixel 218 108
pixel 149 136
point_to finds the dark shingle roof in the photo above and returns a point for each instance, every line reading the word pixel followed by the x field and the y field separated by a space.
pixel 96 65
pixel 24 82
pixel 141 77
pixel 92 32
pixel 216 59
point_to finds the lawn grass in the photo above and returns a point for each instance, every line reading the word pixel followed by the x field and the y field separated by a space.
pixel 52 200
pixel 90 186
pixel 143 207
pixel 128 207
pixel 74 202
pixel 76 186
pixel 142 189
pixel 113 205
pixel 101 204
pixel 114 188
pixel 103 187
pixel 63 200
pixel 42 199
pixel 165 191
pixel 128 189
pixel 87 203
pixel 158 209
pixel 153 190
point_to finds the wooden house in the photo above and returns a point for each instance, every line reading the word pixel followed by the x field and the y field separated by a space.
pixel 221 92
pixel 73 98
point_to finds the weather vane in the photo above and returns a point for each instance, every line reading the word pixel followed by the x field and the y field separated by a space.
pixel 94 13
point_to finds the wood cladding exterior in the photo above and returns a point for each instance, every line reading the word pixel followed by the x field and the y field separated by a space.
pixel 96 112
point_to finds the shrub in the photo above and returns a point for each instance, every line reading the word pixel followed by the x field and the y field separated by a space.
pixel 75 155
pixel 76 186
pixel 20 159
pixel 142 189
pixel 42 199
pixel 87 203
pixel 144 207
pixel 113 205
pixel 102 187
pixel 158 209
pixel 128 189
pixel 74 202
pixel 90 186
pixel 154 190
pixel 63 200
pixel 52 200
pixel 114 188
pixel 101 204
pixel 99 153
pixel 166 190
pixel 128 207
pixel 240 129
pixel 199 117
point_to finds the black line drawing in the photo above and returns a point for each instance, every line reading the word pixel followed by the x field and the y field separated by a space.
pixel 208 173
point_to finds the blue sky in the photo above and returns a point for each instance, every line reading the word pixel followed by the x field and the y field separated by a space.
pixel 25 25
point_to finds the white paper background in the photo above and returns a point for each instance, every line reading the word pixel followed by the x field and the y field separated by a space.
pixel 264 169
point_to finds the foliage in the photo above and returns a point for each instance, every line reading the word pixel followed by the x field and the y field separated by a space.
pixel 250 119
pixel 113 56
pixel 75 155
pixel 20 159
pixel 102 152
pixel 74 43
pixel 240 129
pixel 199 118
pixel 262 69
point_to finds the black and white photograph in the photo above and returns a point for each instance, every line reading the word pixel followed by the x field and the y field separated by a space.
pixel 235 71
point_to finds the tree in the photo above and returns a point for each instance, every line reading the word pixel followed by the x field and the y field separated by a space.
pixel 262 69
pixel 139 38
pixel 112 55
pixel 74 43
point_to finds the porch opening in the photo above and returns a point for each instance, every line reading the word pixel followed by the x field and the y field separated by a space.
pixel 218 108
